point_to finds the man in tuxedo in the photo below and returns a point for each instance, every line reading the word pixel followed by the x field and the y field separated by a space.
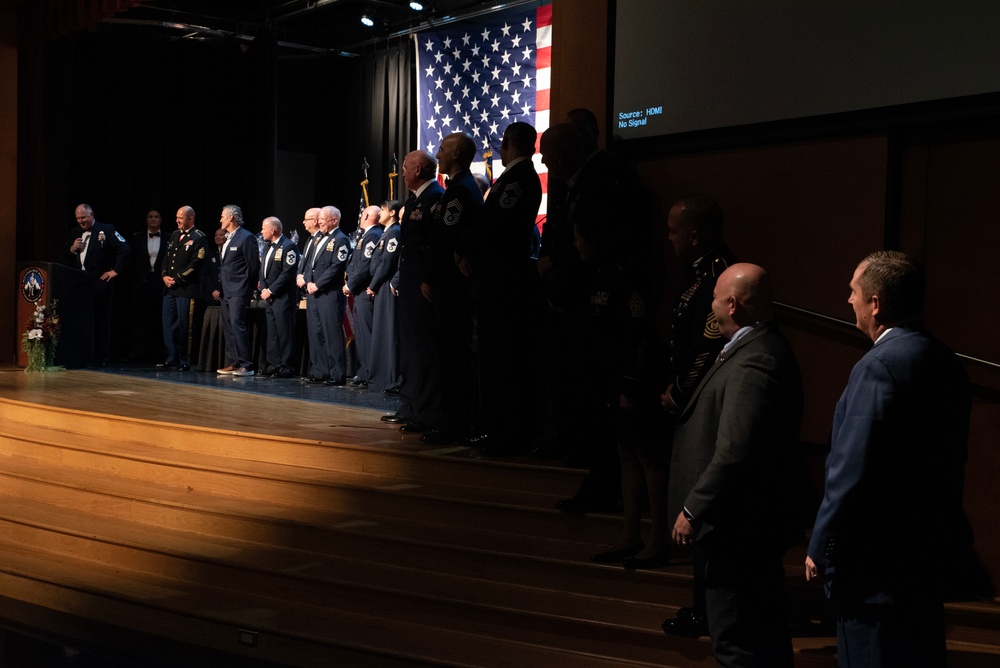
pixel 280 296
pixel 733 474
pixel 892 514
pixel 102 252
pixel 146 251
pixel 240 269
pixel 495 255
pixel 181 276
pixel 419 391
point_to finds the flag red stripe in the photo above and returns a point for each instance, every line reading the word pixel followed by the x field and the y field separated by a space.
pixel 543 16
pixel 543 57
pixel 542 99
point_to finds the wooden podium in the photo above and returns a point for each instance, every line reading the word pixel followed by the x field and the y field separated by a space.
pixel 46 282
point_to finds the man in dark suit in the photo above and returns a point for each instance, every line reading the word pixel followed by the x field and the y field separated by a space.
pixel 99 250
pixel 359 275
pixel 892 511
pixel 419 392
pixel 325 281
pixel 732 474
pixel 181 276
pixel 448 290
pixel 281 298
pixel 146 251
pixel 240 270
pixel 495 255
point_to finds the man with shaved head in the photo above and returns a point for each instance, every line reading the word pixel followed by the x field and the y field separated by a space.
pixel 418 392
pixel 732 474
pixel 181 277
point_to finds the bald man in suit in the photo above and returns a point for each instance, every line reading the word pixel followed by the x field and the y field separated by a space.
pixel 733 474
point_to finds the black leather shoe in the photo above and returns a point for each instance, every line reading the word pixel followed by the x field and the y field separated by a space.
pixel 440 437
pixel 687 623
pixel 616 556
pixel 391 391
pixel 164 365
pixel 335 383
pixel 393 419
pixel 582 506
pixel 357 382
pixel 184 367
pixel 313 379
pixel 635 563
pixel 414 428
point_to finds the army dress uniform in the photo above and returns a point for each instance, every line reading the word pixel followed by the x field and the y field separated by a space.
pixel 277 274
pixel 182 262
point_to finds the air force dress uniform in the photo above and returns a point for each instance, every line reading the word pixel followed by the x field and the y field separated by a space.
pixel 277 274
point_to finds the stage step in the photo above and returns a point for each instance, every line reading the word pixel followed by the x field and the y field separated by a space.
pixel 338 549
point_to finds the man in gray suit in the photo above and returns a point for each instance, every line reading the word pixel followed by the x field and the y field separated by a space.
pixel 732 474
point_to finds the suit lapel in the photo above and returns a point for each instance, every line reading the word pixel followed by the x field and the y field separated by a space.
pixel 730 354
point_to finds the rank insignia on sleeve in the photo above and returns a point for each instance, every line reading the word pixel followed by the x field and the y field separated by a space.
pixel 119 237
pixel 391 246
pixel 201 253
pixel 712 330
pixel 342 254
pixel 637 305
pixel 369 249
pixel 510 195
pixel 452 212
pixel 290 258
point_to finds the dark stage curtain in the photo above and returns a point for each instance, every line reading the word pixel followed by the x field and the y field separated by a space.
pixel 389 115
pixel 41 21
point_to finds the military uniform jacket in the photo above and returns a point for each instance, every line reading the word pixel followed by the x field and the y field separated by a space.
pixel 240 263
pixel 385 260
pixel 185 253
pixel 106 250
pixel 359 270
pixel 329 261
pixel 415 234
pixel 277 269
pixel 455 215
pixel 695 339
pixel 499 244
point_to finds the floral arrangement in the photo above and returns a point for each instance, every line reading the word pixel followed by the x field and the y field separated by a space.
pixel 41 337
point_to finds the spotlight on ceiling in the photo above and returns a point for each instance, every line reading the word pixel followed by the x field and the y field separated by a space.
pixel 367 21
pixel 417 6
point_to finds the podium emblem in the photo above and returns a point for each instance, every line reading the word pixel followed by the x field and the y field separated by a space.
pixel 32 285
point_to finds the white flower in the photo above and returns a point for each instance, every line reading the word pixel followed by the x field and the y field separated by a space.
pixel 35 334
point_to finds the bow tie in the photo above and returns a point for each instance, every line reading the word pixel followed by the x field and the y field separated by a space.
pixel 153 235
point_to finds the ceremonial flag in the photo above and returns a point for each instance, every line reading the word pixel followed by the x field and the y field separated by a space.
pixel 482 74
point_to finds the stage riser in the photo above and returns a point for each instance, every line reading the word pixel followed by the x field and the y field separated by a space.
pixel 337 546
pixel 116 434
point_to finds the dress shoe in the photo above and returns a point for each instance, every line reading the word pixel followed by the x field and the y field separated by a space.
pixel 391 391
pixel 440 437
pixel 335 383
pixel 393 419
pixel 616 556
pixel 414 428
pixel 313 379
pixel 581 506
pixel 184 367
pixel 243 371
pixel 636 564
pixel 226 370
pixel 164 365
pixel 357 382
pixel 687 623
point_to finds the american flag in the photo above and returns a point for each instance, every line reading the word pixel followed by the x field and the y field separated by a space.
pixel 482 75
